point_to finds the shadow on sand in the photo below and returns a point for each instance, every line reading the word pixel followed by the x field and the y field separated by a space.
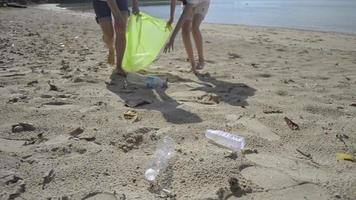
pixel 234 94
pixel 158 99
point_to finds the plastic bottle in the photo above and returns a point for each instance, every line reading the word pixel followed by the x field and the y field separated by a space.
pixel 233 142
pixel 159 162
pixel 146 81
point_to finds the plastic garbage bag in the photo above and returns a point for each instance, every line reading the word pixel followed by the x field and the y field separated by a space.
pixel 145 38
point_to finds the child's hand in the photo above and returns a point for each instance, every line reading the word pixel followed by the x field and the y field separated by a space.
pixel 135 10
pixel 168 47
pixel 169 23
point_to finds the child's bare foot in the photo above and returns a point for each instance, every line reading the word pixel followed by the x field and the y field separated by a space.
pixel 200 64
pixel 194 70
pixel 184 70
pixel 120 72
pixel 111 57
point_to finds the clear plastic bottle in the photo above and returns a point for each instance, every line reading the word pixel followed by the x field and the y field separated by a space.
pixel 233 142
pixel 149 81
pixel 160 160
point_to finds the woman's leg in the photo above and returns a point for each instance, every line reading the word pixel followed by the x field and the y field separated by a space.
pixel 198 39
pixel 186 27
pixel 120 30
pixel 108 37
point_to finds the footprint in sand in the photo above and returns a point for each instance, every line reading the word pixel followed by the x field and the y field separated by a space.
pixel 296 169
pixel 12 146
pixel 298 192
pixel 268 178
pixel 256 128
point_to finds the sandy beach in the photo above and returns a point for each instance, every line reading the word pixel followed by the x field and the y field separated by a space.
pixel 69 129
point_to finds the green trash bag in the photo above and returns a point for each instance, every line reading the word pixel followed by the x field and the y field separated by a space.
pixel 145 38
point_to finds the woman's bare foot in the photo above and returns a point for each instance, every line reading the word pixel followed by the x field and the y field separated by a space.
pixel 111 57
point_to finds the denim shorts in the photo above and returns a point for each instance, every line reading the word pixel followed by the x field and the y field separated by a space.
pixel 102 9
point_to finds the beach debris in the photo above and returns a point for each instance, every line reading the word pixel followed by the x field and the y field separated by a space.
pixel 122 197
pixel 249 151
pixel 337 195
pixel 167 194
pixel 64 197
pixel 308 155
pixel 287 81
pixel 148 81
pixel 78 80
pixel 345 156
pixel 55 103
pixel 353 104
pixel 17 98
pixel 132 103
pixel 342 137
pixel 133 139
pixel 238 186
pixel 61 151
pixel 65 65
pixel 160 160
pixel 32 83
pixel 100 103
pixel 52 87
pixel 63 96
pixel 21 127
pixel 101 196
pixel 13 100
pixel 88 139
pixel 76 132
pixel 234 56
pixel 131 115
pixel 67 76
pixel 37 140
pixel 46 96
pixel 48 178
pixel 208 99
pixel 232 155
pixel 14 179
pixel 254 65
pixel 228 140
pixel 272 111
pixel 293 126
pixel 21 188
pixel 13 75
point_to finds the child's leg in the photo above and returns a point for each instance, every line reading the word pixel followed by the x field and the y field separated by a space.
pixel 121 44
pixel 198 39
pixel 187 42
pixel 103 18
pixel 108 38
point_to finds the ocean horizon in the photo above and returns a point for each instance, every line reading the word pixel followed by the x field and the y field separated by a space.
pixel 318 15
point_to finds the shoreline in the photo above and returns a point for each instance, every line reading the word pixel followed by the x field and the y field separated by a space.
pixel 61 8
pixel 78 142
